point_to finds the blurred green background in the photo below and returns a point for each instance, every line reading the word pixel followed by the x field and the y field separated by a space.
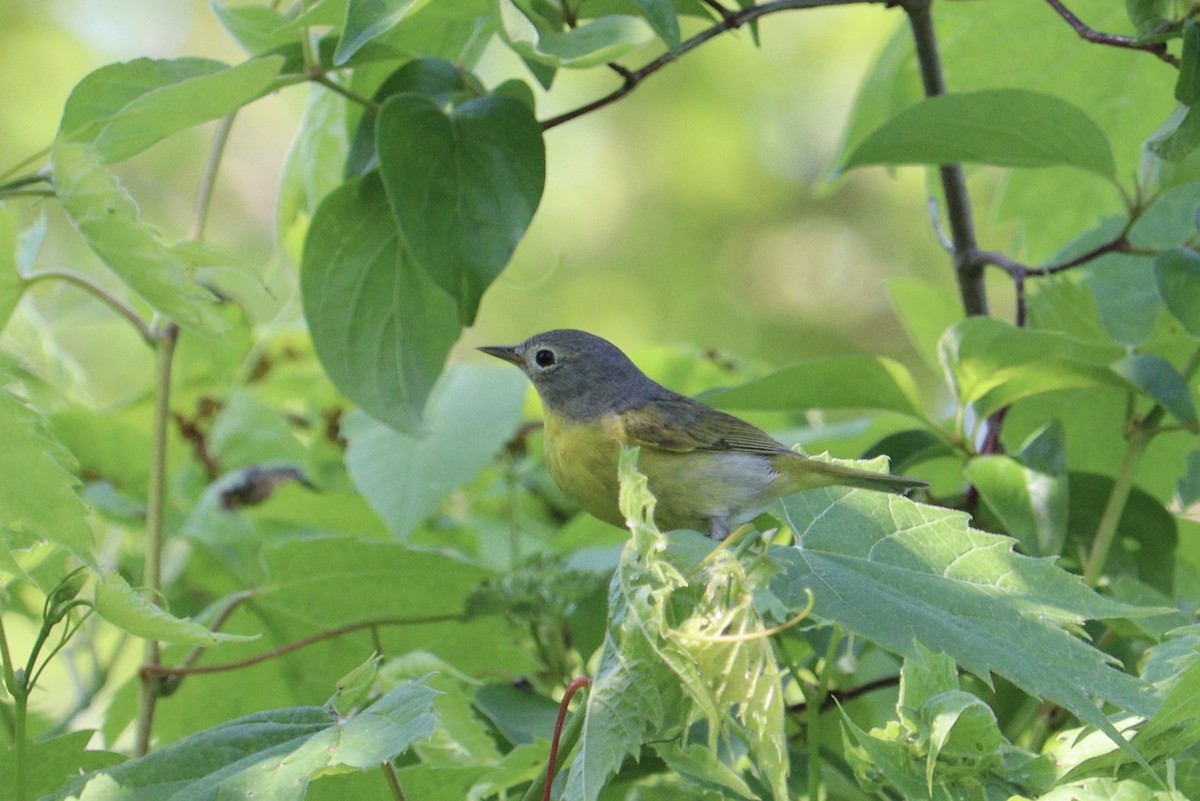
pixel 698 210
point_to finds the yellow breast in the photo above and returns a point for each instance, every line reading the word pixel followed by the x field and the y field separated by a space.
pixel 582 459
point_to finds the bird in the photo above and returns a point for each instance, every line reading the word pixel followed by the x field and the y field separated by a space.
pixel 708 470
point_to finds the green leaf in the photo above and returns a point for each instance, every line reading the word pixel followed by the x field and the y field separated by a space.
pixel 1187 85
pixel 846 382
pixel 1146 15
pixel 463 185
pixel 1002 127
pixel 50 760
pixel 471 414
pixel 1029 499
pixel 38 499
pixel 589 44
pixel 380 327
pixel 12 286
pixel 315 160
pixel 432 77
pixel 899 573
pixel 1178 136
pixel 1177 273
pixel 520 715
pixel 925 311
pixel 661 16
pixel 122 109
pixel 121 605
pixel 1187 490
pixel 369 19
pixel 1155 377
pixel 107 217
pixel 907 448
pixel 269 755
pixel 256 28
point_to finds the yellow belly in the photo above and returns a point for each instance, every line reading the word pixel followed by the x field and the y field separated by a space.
pixel 691 488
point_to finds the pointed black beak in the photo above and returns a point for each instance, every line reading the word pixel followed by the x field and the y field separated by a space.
pixel 508 353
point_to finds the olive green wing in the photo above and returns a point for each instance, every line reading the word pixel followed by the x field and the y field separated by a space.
pixel 681 424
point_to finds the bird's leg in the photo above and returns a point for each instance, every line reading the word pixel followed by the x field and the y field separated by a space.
pixel 718 528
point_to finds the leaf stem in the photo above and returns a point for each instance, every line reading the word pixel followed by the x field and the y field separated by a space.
pixel 561 743
pixel 393 780
pixel 151 686
pixel 334 86
pixel 813 714
pixel 100 293
pixel 1141 432
pixel 19 690
pixel 208 179
pixel 25 162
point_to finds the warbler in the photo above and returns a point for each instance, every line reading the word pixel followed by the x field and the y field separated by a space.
pixel 708 470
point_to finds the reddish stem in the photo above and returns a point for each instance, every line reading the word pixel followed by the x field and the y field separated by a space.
pixel 574 686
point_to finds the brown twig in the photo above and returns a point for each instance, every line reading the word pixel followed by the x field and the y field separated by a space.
pixel 841 696
pixel 730 21
pixel 152 670
pixel 1157 49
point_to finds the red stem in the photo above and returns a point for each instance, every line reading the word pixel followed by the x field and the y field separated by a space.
pixel 574 686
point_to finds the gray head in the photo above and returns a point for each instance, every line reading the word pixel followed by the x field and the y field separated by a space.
pixel 579 375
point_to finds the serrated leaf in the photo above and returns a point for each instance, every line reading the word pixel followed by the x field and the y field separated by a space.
pixel 471 414
pixel 1002 127
pixel 1177 273
pixel 1154 376
pixel 847 382
pixel 108 219
pixel 121 605
pixel 463 185
pixel 267 755
pixel 897 572
pixel 122 109
pixel 380 327
pixel 38 499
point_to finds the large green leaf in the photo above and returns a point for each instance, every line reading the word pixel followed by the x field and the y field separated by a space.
pixel 1003 127
pixel 846 382
pixel 268 756
pixel 107 218
pixel 38 499
pixel 471 413
pixel 52 759
pixel 121 605
pixel 380 327
pixel 256 28
pixel 900 573
pixel 925 311
pixel 463 185
pixel 122 109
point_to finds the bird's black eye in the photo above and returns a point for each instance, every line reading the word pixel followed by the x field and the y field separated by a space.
pixel 544 357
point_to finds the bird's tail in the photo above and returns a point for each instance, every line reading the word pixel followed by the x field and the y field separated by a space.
pixel 810 473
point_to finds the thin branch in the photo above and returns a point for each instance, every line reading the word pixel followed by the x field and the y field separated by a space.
pixel 729 22
pixel 150 670
pixel 1157 49
pixel 393 780
pixel 967 268
pixel 231 605
pixel 91 287
pixel 834 697
pixel 334 86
